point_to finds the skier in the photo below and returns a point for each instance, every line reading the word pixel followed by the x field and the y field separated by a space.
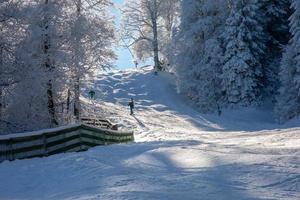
pixel 92 94
pixel 219 111
pixel 131 105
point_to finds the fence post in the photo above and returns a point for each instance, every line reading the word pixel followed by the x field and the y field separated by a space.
pixel 80 138
pixel 64 137
pixel 45 144
pixel 10 146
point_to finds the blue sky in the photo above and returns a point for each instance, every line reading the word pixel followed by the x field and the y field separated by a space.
pixel 125 59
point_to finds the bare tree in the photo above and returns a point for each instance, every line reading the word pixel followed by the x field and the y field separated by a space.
pixel 140 23
pixel 147 26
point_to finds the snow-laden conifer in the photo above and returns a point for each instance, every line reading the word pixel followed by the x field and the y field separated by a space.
pixel 244 43
pixel 198 52
pixel 288 101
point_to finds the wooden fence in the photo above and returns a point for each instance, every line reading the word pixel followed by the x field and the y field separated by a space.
pixel 60 140
pixel 98 122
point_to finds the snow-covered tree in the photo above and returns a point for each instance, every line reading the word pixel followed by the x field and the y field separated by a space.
pixel 288 100
pixel 92 36
pixel 145 24
pixel 277 14
pixel 39 62
pixel 11 34
pixel 244 43
pixel 55 45
pixel 198 52
pixel 169 26
pixel 276 23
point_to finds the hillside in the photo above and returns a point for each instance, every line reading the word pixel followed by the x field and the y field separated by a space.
pixel 179 153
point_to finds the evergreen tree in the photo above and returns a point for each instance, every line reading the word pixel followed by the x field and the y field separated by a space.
pixel 288 100
pixel 277 14
pixel 244 43
pixel 198 52
pixel 277 33
pixel 187 47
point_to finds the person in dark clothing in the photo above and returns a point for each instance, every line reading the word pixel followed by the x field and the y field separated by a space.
pixel 131 105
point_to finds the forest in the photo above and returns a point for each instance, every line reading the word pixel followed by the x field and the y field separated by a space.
pixel 150 99
pixel 224 54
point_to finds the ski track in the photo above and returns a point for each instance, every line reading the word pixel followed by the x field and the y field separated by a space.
pixel 178 153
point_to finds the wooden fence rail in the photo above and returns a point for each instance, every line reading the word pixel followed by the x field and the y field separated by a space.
pixel 60 140
pixel 97 122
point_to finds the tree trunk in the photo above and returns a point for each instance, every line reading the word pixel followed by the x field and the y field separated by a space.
pixel 1 103
pixel 1 68
pixel 49 68
pixel 1 87
pixel 68 101
pixel 77 104
pixel 157 65
pixel 155 50
pixel 51 107
pixel 1 98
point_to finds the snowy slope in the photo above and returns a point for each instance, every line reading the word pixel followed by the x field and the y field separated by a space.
pixel 178 154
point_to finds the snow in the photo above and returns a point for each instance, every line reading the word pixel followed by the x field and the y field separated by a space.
pixel 39 132
pixel 51 131
pixel 178 154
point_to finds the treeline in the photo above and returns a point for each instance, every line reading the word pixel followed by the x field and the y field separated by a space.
pixel 224 53
pixel 227 54
pixel 46 48
pixel 232 54
pixel 235 52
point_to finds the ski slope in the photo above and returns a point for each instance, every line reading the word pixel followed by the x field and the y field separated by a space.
pixel 179 153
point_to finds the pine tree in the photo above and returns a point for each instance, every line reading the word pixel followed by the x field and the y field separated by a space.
pixel 244 48
pixel 198 52
pixel 187 47
pixel 287 106
pixel 277 33
pixel 277 14
pixel 288 100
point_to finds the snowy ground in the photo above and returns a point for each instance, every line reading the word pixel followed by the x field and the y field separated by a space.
pixel 178 154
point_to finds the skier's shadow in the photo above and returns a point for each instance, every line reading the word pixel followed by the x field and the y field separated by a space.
pixel 139 121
